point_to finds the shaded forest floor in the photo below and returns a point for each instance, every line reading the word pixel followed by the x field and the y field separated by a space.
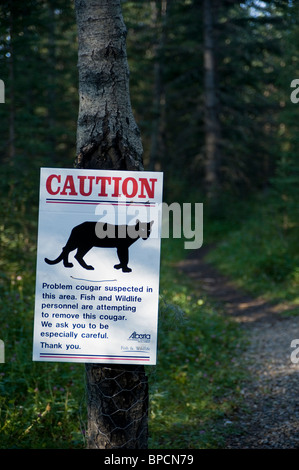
pixel 269 418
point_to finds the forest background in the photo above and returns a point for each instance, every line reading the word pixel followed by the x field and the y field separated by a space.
pixel 210 86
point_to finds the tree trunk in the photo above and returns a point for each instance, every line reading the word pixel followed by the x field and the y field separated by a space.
pixel 11 66
pixel 159 14
pixel 212 125
pixel 117 405
pixel 108 138
pixel 107 135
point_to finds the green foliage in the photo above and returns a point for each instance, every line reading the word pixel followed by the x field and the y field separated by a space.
pixel 257 238
pixel 259 253
pixel 38 55
pixel 251 39
pixel 195 386
pixel 40 404
pixel 193 389
pixel 286 179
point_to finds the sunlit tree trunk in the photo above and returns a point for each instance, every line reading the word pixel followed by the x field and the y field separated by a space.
pixel 108 138
pixel 107 134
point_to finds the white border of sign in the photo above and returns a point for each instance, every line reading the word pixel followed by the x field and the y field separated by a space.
pixel 104 314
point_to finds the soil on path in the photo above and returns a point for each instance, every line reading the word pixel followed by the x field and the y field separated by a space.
pixel 271 395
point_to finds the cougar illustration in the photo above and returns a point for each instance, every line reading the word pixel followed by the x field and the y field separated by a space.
pixel 85 236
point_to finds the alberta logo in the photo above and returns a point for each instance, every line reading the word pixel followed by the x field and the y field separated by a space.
pixel 143 337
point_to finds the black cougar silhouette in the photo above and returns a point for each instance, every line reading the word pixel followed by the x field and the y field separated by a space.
pixel 85 236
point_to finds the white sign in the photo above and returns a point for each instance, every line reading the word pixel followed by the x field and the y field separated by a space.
pixel 98 261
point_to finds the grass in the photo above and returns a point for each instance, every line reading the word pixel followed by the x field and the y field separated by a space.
pixel 261 253
pixel 193 388
pixel 41 404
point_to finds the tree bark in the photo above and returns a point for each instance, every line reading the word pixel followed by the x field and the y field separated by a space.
pixel 212 125
pixel 157 146
pixel 107 134
pixel 117 405
pixel 108 138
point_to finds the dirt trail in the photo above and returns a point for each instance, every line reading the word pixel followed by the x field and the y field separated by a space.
pixel 272 395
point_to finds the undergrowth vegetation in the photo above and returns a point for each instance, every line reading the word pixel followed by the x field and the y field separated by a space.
pixel 193 388
pixel 195 385
pixel 259 250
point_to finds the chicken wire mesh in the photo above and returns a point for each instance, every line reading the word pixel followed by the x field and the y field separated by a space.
pixel 117 406
pixel 118 398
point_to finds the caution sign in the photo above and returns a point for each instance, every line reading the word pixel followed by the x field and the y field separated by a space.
pixel 98 262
